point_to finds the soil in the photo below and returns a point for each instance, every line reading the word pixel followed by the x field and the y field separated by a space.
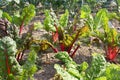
pixel 46 59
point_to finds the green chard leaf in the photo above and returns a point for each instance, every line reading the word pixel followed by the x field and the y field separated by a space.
pixel 72 68
pixel 112 72
pixel 97 67
pixel 49 22
pixel 28 13
pixel 25 17
pixel 7 16
pixel 85 11
pixel 64 57
pixel 105 21
pixel 98 19
pixel 37 25
pixel 29 68
pixel 101 78
pixel 65 75
pixel 63 21
pixel 8 65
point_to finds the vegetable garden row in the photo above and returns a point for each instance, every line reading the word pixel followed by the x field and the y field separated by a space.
pixel 70 25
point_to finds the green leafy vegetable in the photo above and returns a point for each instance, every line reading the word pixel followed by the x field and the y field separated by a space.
pixel 29 68
pixel 98 65
pixel 63 21
pixel 9 64
pixel 99 69
pixel 64 74
pixel 25 17
pixel 37 25
pixel 49 22
pixel 72 69
pixel 7 16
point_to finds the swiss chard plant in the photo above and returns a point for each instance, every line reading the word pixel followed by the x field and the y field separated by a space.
pixel 102 32
pixel 21 18
pixel 60 34
pixel 98 69
pixel 14 26
pixel 25 17
pixel 10 69
pixel 9 65
pixel 29 67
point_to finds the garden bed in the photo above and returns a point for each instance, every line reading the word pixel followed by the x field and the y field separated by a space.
pixel 59 43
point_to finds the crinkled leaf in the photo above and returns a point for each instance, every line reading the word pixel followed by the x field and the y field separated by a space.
pixel 16 20
pixel 25 17
pixel 65 75
pixel 85 11
pixel 28 13
pixel 64 57
pixel 49 22
pixel 98 19
pixel 38 25
pixel 97 68
pixel 105 21
pixel 63 21
pixel 112 72
pixel 7 16
pixel 7 58
pixel 82 67
pixel 74 72
pixel 29 68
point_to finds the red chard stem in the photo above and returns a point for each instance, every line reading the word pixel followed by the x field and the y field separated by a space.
pixel 7 65
pixel 74 28
pixel 55 34
pixel 22 25
pixel 62 46
pixel 21 28
pixel 76 37
pixel 112 52
pixel 72 55
pixel 53 48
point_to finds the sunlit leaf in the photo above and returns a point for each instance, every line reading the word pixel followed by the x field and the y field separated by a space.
pixel 49 22
pixel 85 11
pixel 63 21
pixel 38 25
pixel 28 13
pixel 98 19
pixel 7 16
